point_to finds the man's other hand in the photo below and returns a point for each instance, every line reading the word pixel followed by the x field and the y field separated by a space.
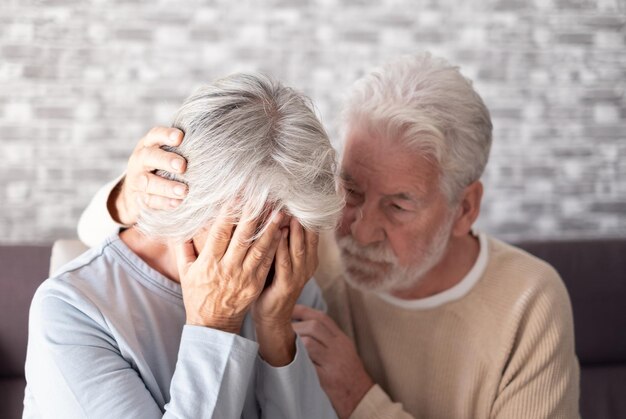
pixel 140 186
pixel 340 370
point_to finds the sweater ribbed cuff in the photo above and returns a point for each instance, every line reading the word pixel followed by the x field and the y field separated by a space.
pixel 375 404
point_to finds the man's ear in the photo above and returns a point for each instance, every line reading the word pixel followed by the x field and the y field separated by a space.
pixel 469 208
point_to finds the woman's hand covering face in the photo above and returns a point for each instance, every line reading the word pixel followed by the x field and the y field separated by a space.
pixel 227 275
pixel 296 261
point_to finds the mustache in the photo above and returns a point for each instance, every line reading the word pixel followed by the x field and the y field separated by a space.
pixel 379 252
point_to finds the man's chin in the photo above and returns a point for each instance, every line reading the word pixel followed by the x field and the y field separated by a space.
pixel 368 275
pixel 366 280
pixel 363 282
pixel 387 281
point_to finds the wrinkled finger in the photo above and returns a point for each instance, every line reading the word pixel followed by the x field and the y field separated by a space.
pixel 242 237
pixel 156 185
pixel 162 136
pixel 315 350
pixel 311 239
pixel 283 259
pixel 154 158
pixel 297 247
pixel 157 202
pixel 266 263
pixel 219 235
pixel 304 313
pixel 185 256
pixel 261 250
pixel 315 330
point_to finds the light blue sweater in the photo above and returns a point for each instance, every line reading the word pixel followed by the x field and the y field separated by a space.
pixel 107 339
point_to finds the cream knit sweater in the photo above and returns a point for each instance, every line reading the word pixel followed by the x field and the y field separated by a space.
pixel 503 350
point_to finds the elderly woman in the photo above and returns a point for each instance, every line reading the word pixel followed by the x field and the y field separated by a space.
pixel 188 313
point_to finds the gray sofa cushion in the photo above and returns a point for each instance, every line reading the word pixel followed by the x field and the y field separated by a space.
pixel 594 273
pixel 22 269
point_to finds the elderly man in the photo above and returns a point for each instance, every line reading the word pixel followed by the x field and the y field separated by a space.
pixel 179 316
pixel 429 318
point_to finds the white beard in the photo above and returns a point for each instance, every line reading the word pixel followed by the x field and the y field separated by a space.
pixel 376 267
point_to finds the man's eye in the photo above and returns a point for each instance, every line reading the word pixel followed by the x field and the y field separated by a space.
pixel 398 208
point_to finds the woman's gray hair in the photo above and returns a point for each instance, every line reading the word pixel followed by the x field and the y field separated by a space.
pixel 426 104
pixel 249 141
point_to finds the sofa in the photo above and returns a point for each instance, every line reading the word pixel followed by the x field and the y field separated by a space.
pixel 594 272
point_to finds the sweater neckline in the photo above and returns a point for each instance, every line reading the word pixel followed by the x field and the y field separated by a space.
pixel 458 291
pixel 144 272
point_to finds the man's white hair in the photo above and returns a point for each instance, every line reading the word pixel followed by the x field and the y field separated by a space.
pixel 249 141
pixel 426 104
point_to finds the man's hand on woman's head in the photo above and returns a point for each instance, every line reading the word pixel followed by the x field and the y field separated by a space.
pixel 140 186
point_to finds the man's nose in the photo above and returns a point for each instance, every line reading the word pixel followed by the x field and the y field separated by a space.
pixel 366 227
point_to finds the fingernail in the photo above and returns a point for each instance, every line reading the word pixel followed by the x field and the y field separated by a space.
pixel 177 165
pixel 179 190
pixel 174 137
pixel 174 203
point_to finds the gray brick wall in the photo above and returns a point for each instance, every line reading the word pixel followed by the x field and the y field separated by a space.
pixel 80 82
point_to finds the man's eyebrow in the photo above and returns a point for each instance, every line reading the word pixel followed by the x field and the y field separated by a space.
pixel 404 196
pixel 345 177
